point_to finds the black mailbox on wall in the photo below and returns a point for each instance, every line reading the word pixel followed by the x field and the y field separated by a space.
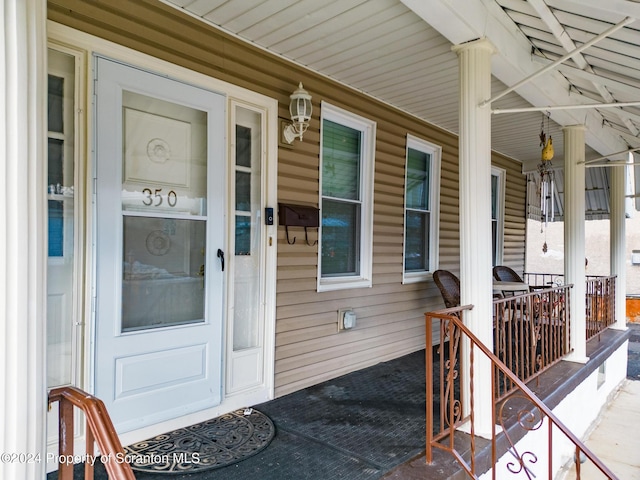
pixel 305 216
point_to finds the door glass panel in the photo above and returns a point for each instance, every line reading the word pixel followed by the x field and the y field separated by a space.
pixel 164 157
pixel 164 213
pixel 61 215
pixel 243 191
pixel 163 282
pixel 247 264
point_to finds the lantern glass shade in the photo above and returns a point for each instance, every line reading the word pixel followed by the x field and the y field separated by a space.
pixel 300 110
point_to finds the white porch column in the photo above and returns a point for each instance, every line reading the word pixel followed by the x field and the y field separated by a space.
pixel 23 161
pixel 574 244
pixel 474 61
pixel 617 229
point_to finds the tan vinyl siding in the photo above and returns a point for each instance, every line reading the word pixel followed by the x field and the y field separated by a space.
pixel 390 320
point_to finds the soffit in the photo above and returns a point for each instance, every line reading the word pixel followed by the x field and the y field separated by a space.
pixel 400 52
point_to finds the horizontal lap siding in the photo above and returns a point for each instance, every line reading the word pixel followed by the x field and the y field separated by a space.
pixel 390 320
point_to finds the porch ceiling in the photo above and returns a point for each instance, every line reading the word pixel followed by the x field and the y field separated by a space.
pixel 399 51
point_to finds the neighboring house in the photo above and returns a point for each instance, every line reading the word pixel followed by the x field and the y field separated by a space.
pixel 169 293
pixel 597 250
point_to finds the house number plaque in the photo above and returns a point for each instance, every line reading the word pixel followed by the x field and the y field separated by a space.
pixel 155 197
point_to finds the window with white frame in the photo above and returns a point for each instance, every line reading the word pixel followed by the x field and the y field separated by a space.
pixel 497 214
pixel 421 209
pixel 346 199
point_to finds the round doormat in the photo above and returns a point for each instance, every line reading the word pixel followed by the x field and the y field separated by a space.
pixel 215 443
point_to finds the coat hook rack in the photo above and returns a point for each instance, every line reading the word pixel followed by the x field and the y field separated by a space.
pixel 298 216
pixel 290 242
pixel 306 238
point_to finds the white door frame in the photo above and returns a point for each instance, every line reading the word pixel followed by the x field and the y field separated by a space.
pixel 90 44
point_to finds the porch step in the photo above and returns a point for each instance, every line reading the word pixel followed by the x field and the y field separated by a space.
pixel 444 466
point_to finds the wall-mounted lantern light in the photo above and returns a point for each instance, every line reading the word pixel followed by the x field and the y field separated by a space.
pixel 300 110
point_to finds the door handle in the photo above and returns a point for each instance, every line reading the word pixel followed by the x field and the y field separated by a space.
pixel 221 257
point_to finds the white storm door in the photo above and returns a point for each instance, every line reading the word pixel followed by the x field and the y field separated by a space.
pixel 160 203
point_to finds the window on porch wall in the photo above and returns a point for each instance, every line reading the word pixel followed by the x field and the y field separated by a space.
pixel 422 204
pixel 346 199
pixel 497 214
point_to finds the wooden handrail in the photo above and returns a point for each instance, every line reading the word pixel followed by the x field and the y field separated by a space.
pixel 99 429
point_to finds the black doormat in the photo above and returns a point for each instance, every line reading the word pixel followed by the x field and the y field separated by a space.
pixel 215 443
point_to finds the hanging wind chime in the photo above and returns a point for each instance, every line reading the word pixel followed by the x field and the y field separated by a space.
pixel 546 187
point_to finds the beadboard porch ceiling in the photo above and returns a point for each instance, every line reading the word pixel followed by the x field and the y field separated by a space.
pixel 399 51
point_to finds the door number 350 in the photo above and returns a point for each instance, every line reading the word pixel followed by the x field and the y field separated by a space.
pixel 154 197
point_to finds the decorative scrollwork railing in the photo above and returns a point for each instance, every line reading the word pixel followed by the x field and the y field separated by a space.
pixel 517 413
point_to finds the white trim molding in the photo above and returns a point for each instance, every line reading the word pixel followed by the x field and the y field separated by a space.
pixel 367 128
pixel 501 175
pixel 435 153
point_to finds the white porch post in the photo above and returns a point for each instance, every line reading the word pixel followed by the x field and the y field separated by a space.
pixel 23 396
pixel 617 232
pixel 574 243
pixel 474 61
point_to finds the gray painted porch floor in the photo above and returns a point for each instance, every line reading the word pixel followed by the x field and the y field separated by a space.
pixel 367 424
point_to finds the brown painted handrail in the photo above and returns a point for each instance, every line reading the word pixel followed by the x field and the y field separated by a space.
pixel 452 316
pixel 99 429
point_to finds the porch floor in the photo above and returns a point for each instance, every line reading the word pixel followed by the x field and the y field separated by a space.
pixel 368 424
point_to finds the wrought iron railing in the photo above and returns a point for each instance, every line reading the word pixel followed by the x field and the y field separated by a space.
pixel 600 304
pixel 544 279
pixel 531 332
pixel 99 430
pixel 551 279
pixel 516 414
pixel 600 298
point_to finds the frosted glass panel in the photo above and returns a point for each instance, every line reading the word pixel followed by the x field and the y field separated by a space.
pixel 164 186
pixel 164 159
pixel 248 218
